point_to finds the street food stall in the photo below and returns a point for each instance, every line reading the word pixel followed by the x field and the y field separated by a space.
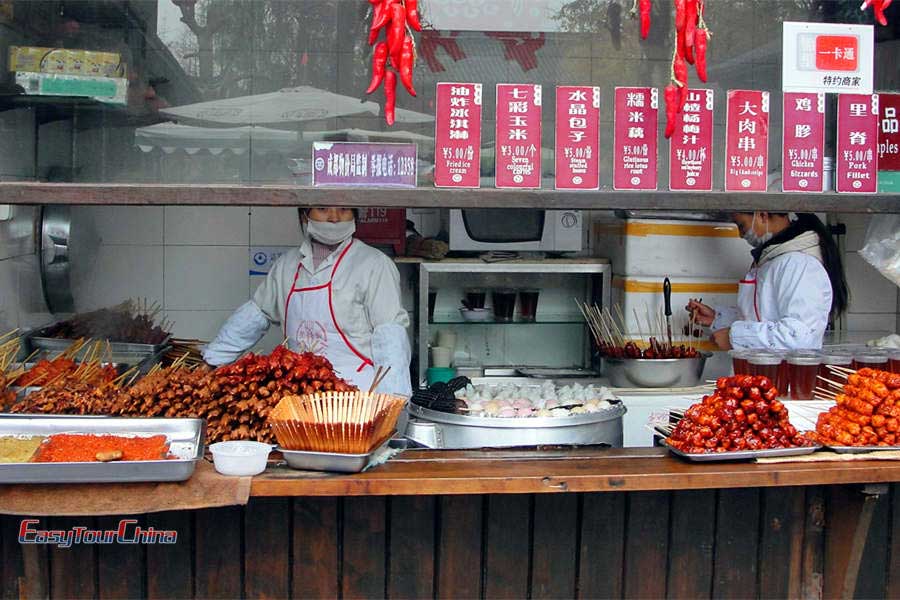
pixel 544 368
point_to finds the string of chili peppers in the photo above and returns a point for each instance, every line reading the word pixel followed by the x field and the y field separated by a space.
pixel 642 8
pixel 396 18
pixel 878 7
pixel 692 37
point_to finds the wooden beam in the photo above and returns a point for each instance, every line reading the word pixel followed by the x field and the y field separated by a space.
pixel 425 197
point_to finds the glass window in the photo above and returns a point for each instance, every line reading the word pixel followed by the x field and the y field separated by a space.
pixel 236 91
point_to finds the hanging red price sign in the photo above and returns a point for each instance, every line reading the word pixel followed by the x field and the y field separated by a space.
pixel 856 163
pixel 577 137
pixel 747 141
pixel 803 142
pixel 457 136
pixel 889 132
pixel 691 146
pixel 518 140
pixel 635 138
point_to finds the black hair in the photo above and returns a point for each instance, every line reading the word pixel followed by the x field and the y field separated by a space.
pixel 304 212
pixel 831 256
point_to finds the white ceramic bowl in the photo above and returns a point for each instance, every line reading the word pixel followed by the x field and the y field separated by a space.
pixel 475 314
pixel 239 458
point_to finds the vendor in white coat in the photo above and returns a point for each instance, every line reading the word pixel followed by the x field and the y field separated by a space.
pixel 795 283
pixel 335 296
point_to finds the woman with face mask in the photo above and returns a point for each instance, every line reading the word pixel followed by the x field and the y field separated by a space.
pixel 795 283
pixel 334 296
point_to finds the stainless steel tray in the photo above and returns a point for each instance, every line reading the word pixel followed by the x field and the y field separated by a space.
pixel 328 461
pixel 742 454
pixel 36 341
pixel 860 449
pixel 186 438
pixel 655 372
pixel 550 373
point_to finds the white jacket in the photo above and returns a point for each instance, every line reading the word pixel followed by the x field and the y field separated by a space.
pixel 367 307
pixel 783 302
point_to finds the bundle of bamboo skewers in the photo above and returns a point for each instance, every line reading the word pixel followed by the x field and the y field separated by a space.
pixel 340 422
pixel 608 328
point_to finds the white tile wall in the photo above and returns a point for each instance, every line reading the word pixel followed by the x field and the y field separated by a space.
pixel 206 277
pixel 17 232
pixel 17 143
pixel 871 322
pixel 197 324
pixel 870 291
pixel 200 226
pixel 126 225
pixel 274 226
pixel 9 296
pixel 117 274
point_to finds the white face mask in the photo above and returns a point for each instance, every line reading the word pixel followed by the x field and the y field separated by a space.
pixel 329 233
pixel 757 240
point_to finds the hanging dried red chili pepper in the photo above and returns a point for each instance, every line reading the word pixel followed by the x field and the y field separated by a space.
pixel 407 62
pixel 878 8
pixel 379 64
pixel 397 18
pixel 671 98
pixel 680 75
pixel 390 97
pixel 412 14
pixel 642 8
pixel 701 37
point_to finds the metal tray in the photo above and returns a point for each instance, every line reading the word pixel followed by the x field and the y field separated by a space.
pixel 742 454
pixel 329 461
pixel 550 373
pixel 35 341
pixel 860 449
pixel 186 437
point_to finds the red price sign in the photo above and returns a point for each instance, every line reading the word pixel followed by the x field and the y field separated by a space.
pixel 803 142
pixel 518 141
pixel 856 163
pixel 889 132
pixel 457 135
pixel 691 146
pixel 747 141
pixel 635 138
pixel 577 137
pixel 837 52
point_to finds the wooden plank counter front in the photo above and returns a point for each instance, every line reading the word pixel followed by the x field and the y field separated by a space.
pixel 440 472
pixel 580 523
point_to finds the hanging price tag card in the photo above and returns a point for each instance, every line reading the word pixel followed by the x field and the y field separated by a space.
pixel 803 142
pixel 747 141
pixel 856 163
pixel 457 151
pixel 577 137
pixel 691 146
pixel 635 140
pixel 518 141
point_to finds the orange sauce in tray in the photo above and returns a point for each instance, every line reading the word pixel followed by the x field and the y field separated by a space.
pixel 76 447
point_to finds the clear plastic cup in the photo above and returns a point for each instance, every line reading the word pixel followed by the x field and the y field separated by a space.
pixel 476 297
pixel 894 360
pixel 528 301
pixel 873 359
pixel 804 371
pixel 836 358
pixel 504 304
pixel 766 364
pixel 739 361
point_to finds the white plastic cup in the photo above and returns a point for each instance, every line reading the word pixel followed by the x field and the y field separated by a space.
pixel 446 339
pixel 441 356
pixel 240 458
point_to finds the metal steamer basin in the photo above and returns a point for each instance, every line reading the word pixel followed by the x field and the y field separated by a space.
pixel 655 372
pixel 440 430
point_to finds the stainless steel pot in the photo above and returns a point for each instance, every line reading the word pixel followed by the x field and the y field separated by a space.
pixel 655 372
pixel 435 429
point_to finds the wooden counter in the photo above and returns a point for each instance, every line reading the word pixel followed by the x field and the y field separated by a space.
pixel 622 524
pixel 444 472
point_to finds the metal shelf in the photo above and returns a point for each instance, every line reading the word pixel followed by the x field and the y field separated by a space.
pixel 425 197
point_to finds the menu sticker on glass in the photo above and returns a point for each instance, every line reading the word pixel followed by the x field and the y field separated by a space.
pixel 518 139
pixel 457 153
pixel 691 146
pixel 889 143
pixel 747 141
pixel 803 142
pixel 577 137
pixel 635 138
pixel 350 164
pixel 856 163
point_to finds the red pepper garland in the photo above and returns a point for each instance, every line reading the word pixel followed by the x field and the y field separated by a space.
pixel 692 36
pixel 642 7
pixel 878 7
pixel 397 18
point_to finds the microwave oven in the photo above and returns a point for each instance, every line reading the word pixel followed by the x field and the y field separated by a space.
pixel 515 230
